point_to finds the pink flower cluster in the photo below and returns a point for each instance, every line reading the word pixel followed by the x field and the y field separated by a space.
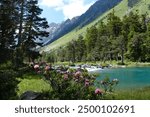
pixel 77 74
pixel 87 82
pixel 98 91
pixel 47 68
pixel 66 76
pixel 39 67
pixel 36 66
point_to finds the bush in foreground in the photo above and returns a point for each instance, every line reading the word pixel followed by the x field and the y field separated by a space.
pixel 73 84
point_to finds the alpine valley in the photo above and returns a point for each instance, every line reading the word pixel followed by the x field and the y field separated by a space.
pixel 61 34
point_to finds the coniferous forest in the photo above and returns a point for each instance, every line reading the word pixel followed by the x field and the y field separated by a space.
pixel 115 39
pixel 27 73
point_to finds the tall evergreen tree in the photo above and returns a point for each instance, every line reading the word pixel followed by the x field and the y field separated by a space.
pixel 34 27
pixel 91 38
pixel 136 47
pixel 8 26
pixel 22 8
pixel 114 24
pixel 80 48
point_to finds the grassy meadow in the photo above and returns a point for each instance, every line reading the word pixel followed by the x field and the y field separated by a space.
pixel 32 82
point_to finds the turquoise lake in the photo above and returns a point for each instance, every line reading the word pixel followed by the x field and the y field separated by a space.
pixel 129 77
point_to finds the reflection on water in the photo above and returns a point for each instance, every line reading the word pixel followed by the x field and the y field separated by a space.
pixel 131 77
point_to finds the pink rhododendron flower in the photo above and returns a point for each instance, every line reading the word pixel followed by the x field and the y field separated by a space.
pixel 47 68
pixel 77 74
pixel 65 76
pixel 98 91
pixel 36 66
pixel 87 80
pixel 87 84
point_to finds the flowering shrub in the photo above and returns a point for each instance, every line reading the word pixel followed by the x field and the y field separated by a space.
pixel 109 85
pixel 71 84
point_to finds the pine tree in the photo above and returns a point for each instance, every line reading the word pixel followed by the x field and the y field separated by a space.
pixel 22 8
pixel 8 26
pixel 34 28
pixel 114 24
pixel 91 38
pixel 80 48
pixel 136 47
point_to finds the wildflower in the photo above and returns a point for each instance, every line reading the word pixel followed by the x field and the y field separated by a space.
pixel 87 84
pixel 65 76
pixel 36 66
pixel 47 68
pixel 98 91
pixel 77 74
pixel 87 80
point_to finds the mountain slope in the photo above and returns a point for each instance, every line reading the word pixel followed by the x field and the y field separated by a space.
pixel 120 10
pixel 52 28
pixel 97 9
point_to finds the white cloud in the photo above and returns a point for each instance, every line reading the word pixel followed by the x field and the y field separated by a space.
pixel 70 8
pixel 75 8
pixel 52 3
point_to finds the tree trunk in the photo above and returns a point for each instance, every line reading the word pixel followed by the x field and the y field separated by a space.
pixel 122 57
pixel 21 23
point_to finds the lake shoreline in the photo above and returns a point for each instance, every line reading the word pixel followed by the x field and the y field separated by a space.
pixel 131 64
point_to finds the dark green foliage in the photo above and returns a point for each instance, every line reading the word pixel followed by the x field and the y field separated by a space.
pixel 72 50
pixel 117 39
pixel 136 47
pixel 91 38
pixel 20 31
pixel 80 49
pixel 8 82
pixel 51 58
pixel 33 29
pixel 75 51
pixel 8 24
pixel 21 28
pixel 114 24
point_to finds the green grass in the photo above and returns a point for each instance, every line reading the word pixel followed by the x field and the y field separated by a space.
pixel 120 10
pixel 130 94
pixel 135 94
pixel 32 82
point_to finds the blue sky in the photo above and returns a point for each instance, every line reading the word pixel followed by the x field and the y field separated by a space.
pixel 60 10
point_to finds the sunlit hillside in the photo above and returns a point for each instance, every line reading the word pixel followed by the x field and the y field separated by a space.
pixel 121 9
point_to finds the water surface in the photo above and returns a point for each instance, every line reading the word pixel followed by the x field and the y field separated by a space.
pixel 130 77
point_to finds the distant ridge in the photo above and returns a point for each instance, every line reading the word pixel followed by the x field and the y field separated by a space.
pixel 143 6
pixel 97 9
